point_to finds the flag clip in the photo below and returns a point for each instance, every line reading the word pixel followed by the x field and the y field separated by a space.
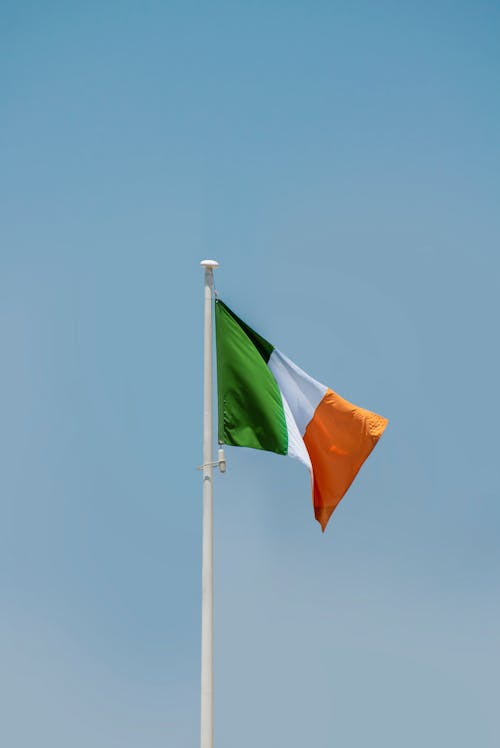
pixel 220 463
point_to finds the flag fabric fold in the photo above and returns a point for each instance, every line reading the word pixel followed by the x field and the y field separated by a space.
pixel 265 401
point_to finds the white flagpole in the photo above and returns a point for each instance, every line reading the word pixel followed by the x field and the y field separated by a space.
pixel 207 574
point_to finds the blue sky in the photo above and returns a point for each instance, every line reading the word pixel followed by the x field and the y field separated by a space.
pixel 341 161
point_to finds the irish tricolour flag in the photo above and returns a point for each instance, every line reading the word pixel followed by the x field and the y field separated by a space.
pixel 266 402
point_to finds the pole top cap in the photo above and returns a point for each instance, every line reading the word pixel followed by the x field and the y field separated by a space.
pixel 209 264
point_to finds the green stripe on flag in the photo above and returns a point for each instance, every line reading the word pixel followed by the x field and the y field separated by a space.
pixel 265 349
pixel 250 406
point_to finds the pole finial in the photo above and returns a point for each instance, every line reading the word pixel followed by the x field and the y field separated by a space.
pixel 209 264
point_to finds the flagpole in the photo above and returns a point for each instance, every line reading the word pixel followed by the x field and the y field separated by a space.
pixel 207 574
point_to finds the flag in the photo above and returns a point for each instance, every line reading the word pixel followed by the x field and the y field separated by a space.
pixel 265 401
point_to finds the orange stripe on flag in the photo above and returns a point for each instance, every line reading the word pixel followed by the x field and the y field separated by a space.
pixel 339 438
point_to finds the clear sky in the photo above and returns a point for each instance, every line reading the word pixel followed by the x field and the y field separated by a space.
pixel 342 162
